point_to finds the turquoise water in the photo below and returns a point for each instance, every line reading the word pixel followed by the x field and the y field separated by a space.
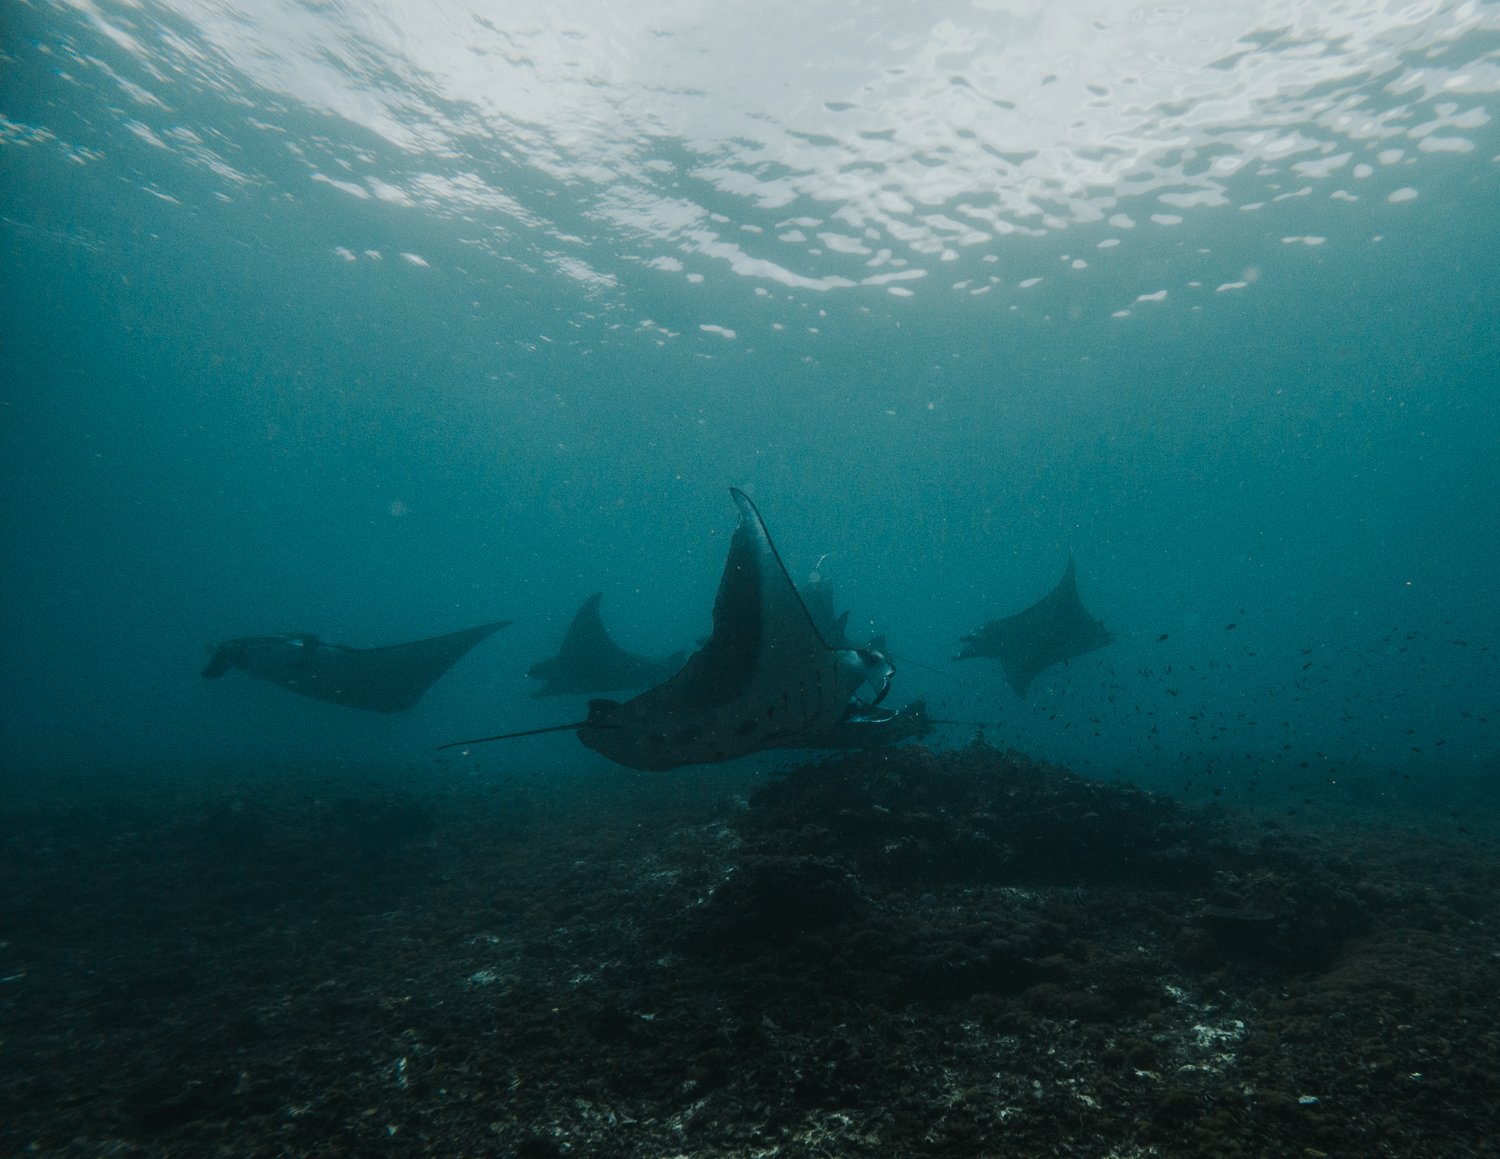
pixel 386 320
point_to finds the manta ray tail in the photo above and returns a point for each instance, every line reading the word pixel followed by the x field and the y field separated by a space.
pixel 926 668
pixel 512 735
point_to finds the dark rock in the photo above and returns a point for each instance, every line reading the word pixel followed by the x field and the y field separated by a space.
pixel 774 900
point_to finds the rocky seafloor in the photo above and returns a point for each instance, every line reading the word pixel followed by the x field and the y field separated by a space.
pixel 898 953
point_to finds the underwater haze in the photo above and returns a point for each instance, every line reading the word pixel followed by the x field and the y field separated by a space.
pixel 430 358
pixel 381 321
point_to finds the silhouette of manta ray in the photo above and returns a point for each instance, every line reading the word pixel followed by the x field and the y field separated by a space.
pixel 379 679
pixel 589 661
pixel 765 679
pixel 1054 629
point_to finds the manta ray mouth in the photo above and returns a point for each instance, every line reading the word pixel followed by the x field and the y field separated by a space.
pixel 877 671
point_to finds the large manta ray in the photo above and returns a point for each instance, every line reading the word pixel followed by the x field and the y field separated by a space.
pixel 379 679
pixel 1054 629
pixel 589 661
pixel 765 679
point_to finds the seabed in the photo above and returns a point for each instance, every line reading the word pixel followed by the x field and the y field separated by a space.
pixel 965 953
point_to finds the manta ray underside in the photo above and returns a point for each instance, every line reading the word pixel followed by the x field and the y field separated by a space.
pixel 589 661
pixel 379 679
pixel 1054 629
pixel 765 679
pixel 869 727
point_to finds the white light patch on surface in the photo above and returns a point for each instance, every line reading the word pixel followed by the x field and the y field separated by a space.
pixel 415 259
pixel 1343 195
pixel 1109 242
pixel 1188 200
pixel 792 235
pixel 1231 286
pixel 146 134
pixel 1402 194
pixel 1028 283
pixel 389 193
pixel 1080 264
pixel 743 264
pixel 843 244
pixel 1159 296
pixel 1445 145
pixel 1122 221
pixel 1120 314
pixel 1385 157
pixel 670 264
pixel 898 276
pixel 347 255
pixel 1363 170
pixel 1323 166
pixel 467 192
pixel 712 329
pixel 580 271
pixel 349 187
pixel 1166 219
pixel 899 291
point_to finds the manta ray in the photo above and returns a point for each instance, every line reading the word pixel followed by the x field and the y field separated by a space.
pixel 765 679
pixel 589 661
pixel 379 679
pixel 1054 629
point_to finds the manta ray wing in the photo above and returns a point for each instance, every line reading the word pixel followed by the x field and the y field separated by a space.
pixel 589 661
pixel 764 678
pixel 1055 628
pixel 817 597
pixel 378 679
